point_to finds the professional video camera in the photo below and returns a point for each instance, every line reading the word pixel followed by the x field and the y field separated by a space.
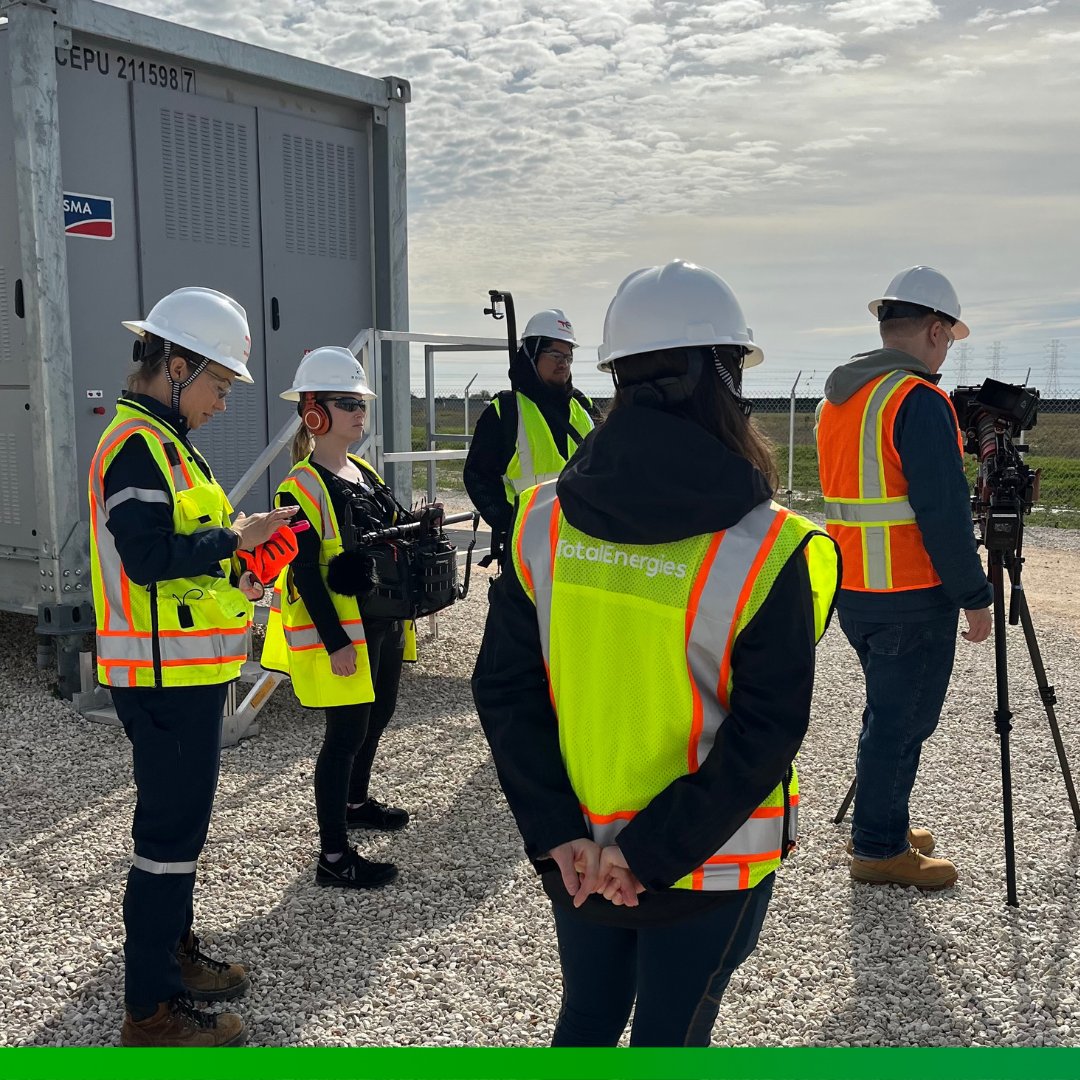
pixel 404 571
pixel 992 416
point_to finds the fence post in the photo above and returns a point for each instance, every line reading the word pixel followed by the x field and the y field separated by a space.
pixel 467 385
pixel 791 441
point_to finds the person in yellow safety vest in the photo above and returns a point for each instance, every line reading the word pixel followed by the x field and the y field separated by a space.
pixel 646 672
pixel 172 611
pixel 338 660
pixel 528 433
pixel 897 502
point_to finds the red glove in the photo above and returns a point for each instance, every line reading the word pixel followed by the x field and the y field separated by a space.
pixel 268 559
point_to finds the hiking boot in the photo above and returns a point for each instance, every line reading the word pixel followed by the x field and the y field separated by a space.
pixel 179 1023
pixel 353 871
pixel 922 840
pixel 907 868
pixel 209 980
pixel 376 815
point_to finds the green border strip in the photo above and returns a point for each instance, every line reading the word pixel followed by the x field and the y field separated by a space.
pixel 294 1063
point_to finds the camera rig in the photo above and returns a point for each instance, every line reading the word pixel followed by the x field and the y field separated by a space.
pixel 992 417
pixel 403 571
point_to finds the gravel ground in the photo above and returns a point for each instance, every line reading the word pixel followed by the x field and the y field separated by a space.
pixel 461 950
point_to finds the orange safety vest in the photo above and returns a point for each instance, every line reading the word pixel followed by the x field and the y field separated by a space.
pixel 866 493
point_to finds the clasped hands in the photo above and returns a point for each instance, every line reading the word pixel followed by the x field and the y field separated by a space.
pixel 588 868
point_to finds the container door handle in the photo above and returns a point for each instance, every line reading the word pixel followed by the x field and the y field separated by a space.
pixel 275 314
pixel 20 304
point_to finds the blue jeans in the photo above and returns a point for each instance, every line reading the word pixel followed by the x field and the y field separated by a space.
pixel 677 972
pixel 907 667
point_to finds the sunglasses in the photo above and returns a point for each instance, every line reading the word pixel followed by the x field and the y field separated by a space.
pixel 348 404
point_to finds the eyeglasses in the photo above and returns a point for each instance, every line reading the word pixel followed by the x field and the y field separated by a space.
pixel 223 387
pixel 564 357
pixel 950 337
pixel 348 404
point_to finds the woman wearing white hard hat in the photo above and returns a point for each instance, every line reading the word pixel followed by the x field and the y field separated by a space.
pixel 338 660
pixel 647 668
pixel 173 608
pixel 529 432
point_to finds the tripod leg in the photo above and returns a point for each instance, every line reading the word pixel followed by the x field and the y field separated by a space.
pixel 1049 698
pixel 845 804
pixel 1002 718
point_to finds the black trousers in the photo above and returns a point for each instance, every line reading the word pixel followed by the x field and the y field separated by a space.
pixel 676 972
pixel 343 768
pixel 175 739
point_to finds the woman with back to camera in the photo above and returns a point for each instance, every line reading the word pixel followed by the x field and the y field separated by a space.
pixel 338 661
pixel 647 668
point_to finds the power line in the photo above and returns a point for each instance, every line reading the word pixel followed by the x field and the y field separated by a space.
pixel 1055 353
pixel 961 364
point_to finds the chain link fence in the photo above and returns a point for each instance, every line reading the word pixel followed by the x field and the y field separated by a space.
pixel 1054 449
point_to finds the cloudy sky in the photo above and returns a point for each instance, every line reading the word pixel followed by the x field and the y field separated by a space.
pixel 804 151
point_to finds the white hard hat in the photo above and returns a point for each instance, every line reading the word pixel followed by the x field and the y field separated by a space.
pixel 207 322
pixel 927 287
pixel 331 367
pixel 675 306
pixel 553 324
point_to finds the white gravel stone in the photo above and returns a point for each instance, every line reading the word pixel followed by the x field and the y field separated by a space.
pixel 461 951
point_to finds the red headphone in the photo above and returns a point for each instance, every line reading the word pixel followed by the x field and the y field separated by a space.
pixel 314 415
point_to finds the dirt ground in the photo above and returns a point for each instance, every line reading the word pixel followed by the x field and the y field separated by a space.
pixel 1052 582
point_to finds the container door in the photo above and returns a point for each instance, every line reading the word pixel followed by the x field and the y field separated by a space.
pixel 197 174
pixel 317 237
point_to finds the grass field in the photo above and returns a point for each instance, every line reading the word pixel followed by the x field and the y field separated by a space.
pixel 1054 442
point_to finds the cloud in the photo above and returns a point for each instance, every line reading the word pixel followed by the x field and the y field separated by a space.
pixel 884 16
pixel 989 15
pixel 804 149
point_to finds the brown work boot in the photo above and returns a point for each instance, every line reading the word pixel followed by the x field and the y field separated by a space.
pixel 907 868
pixel 922 840
pixel 178 1023
pixel 209 980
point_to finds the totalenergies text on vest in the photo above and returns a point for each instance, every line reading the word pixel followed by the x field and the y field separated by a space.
pixel 608 553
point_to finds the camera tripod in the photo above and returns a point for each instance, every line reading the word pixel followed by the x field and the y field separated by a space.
pixel 1002 562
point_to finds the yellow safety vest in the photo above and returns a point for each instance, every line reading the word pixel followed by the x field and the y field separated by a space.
pixel 140 639
pixel 292 643
pixel 638 641
pixel 536 457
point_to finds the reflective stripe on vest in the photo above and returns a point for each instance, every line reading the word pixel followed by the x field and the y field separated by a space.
pixel 141 640
pixel 866 507
pixel 292 644
pixel 637 641
pixel 536 457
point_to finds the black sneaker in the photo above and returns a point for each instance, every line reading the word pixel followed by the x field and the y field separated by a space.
pixel 353 871
pixel 376 815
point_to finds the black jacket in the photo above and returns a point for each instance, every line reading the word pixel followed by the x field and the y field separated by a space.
pixel 649 478
pixel 146 540
pixel 307 575
pixel 494 439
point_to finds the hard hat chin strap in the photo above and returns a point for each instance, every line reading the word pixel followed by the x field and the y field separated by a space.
pixel 195 371
pixel 732 379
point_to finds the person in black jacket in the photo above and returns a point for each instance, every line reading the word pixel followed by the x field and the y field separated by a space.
pixel 351 666
pixel 638 582
pixel 528 433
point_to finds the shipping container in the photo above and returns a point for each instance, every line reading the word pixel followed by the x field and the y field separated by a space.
pixel 137 156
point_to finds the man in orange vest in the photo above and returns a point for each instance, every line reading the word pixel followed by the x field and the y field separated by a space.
pixel 897 502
